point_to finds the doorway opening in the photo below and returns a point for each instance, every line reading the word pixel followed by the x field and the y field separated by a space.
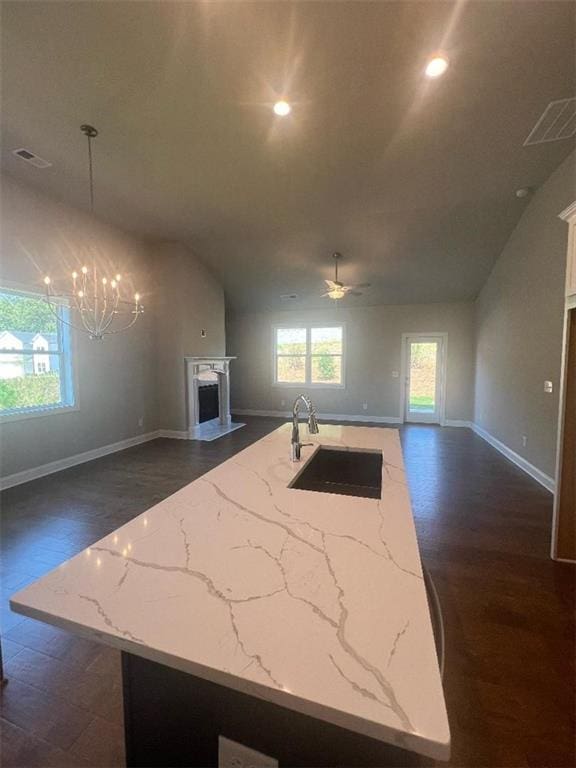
pixel 424 377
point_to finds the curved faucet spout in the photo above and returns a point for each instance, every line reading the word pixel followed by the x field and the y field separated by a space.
pixel 313 429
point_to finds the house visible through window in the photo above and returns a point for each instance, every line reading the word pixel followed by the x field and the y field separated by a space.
pixel 309 355
pixel 35 364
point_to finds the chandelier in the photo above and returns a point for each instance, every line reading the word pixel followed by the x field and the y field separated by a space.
pixel 98 304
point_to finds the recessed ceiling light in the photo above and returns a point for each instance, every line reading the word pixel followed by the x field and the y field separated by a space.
pixel 436 66
pixel 282 108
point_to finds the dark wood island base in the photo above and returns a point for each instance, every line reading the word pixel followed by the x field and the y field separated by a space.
pixel 174 719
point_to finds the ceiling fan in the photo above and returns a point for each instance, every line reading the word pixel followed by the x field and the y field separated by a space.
pixel 337 289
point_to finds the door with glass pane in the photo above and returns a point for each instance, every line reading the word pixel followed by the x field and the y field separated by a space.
pixel 424 380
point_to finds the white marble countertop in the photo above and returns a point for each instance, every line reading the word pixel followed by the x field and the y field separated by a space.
pixel 309 600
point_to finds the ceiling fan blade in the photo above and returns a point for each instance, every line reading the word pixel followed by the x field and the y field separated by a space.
pixel 354 293
pixel 330 283
pixel 361 285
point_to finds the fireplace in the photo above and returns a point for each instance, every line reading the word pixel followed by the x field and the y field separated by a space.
pixel 208 397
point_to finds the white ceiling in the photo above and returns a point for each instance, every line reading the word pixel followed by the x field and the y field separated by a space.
pixel 412 180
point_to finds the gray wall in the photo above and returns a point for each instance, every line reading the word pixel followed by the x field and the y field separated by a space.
pixel 519 315
pixel 189 299
pixel 134 375
pixel 115 384
pixel 374 346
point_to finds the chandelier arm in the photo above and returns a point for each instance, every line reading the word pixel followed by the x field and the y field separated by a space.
pixel 78 303
pixel 85 309
pixel 60 319
pixel 137 313
pixel 89 329
pixel 104 328
pixel 96 299
pixel 101 320
pixel 85 304
pixel 84 327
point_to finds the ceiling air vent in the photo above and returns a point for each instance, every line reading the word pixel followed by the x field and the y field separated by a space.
pixel 31 158
pixel 558 121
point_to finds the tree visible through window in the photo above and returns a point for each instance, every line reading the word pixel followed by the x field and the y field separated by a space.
pixel 310 355
pixel 35 366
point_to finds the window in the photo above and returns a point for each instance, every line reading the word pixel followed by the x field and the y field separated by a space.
pixel 309 355
pixel 35 364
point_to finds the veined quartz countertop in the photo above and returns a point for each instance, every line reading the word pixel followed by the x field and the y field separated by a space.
pixel 310 600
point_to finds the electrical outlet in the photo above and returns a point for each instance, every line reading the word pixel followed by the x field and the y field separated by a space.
pixel 548 386
pixel 524 441
pixel 282 403
pixel 395 374
pixel 141 421
pixel 365 406
pixel 231 754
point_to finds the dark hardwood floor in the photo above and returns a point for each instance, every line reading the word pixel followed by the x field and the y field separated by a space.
pixel 484 532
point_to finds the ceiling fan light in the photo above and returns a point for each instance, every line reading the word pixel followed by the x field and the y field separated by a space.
pixel 337 293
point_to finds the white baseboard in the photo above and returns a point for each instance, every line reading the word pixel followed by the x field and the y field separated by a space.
pixel 515 458
pixel 544 479
pixel 174 434
pixel 71 461
pixel 345 417
pixel 329 416
pixel 251 412
pixel 457 423
pixel 18 478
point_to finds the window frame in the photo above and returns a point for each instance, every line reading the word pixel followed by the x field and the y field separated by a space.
pixel 67 353
pixel 308 384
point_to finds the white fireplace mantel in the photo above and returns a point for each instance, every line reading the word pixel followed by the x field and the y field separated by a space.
pixel 222 425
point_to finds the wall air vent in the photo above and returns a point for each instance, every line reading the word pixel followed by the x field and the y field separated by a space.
pixel 31 158
pixel 558 121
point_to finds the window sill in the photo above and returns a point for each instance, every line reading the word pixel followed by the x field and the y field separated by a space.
pixel 304 385
pixel 7 418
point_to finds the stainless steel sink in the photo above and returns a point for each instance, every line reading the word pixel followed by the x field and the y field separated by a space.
pixel 348 473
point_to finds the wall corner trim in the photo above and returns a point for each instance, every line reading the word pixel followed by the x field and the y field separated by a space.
pixel 541 477
pixel 9 481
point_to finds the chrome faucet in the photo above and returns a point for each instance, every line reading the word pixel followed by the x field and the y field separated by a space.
pixel 296 445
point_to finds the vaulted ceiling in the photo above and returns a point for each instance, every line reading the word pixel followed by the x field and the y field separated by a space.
pixel 412 179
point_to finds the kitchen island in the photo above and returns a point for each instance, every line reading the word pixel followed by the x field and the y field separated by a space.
pixel 293 621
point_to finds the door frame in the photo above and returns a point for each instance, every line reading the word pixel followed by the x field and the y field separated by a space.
pixel 442 336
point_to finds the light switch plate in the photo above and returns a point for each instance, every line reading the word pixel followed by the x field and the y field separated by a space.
pixel 231 754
